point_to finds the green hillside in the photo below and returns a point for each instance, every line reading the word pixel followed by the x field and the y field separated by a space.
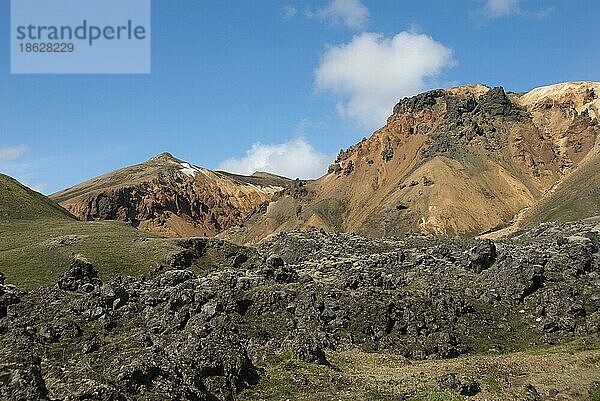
pixel 17 202
pixel 38 239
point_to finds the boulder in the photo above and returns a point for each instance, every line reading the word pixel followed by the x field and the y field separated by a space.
pixel 82 276
pixel 447 381
pixel 349 167
pixel 277 270
pixel 531 392
pixel 401 206
pixel 482 256
pixel 308 349
pixel 469 387
pixel 22 380
pixel 113 295
pixel 9 295
pixel 387 154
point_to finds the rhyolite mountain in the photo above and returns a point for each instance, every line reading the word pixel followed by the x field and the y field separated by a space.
pixel 461 161
pixel 171 197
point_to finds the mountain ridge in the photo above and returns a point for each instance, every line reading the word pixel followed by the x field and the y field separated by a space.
pixel 460 161
pixel 171 197
pixel 453 162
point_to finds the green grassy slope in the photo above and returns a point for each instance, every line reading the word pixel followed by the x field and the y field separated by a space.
pixel 17 202
pixel 38 240
pixel 577 197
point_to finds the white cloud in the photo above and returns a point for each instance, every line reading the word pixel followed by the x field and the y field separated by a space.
pixel 371 72
pixel 544 13
pixel 351 13
pixel 293 159
pixel 500 8
pixel 289 11
pixel 305 126
pixel 12 153
pixel 494 9
pixel 20 170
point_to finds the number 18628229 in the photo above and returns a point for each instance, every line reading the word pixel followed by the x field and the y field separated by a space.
pixel 47 47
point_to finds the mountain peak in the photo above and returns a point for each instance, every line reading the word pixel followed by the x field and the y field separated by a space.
pixel 170 197
pixel 581 93
pixel 447 157
pixel 164 157
pixel 475 89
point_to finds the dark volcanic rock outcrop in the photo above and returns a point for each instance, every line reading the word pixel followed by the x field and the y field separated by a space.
pixel 201 331
pixel 81 276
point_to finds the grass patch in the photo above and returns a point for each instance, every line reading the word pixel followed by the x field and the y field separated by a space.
pixel 288 378
pixel 203 265
pixel 490 341
pixel 38 240
pixel 433 395
pixel 18 202
pixel 596 393
pixel 284 375
pixel 332 211
pixel 35 253
pixel 492 383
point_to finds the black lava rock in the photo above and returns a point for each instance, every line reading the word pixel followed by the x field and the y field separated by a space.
pixel 482 256
pixel 82 276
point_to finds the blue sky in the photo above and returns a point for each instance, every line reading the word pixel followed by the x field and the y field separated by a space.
pixel 279 85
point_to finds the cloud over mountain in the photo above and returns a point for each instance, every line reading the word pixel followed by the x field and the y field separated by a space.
pixel 372 72
pixel 294 159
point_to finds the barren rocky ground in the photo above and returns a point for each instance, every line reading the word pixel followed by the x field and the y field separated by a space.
pixel 311 315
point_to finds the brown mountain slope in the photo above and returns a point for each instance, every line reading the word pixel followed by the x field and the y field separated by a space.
pixel 576 197
pixel 168 196
pixel 454 162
